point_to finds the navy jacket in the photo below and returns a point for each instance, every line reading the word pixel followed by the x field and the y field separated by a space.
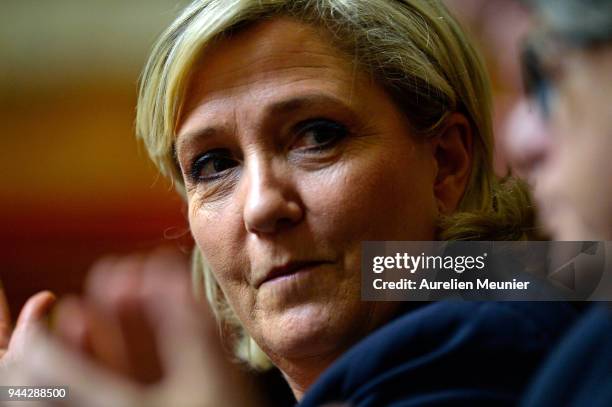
pixel 579 371
pixel 446 354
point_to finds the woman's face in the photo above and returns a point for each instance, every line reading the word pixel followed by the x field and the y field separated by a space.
pixel 292 158
pixel 567 156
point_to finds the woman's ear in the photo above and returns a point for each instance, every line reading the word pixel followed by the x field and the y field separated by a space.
pixel 452 149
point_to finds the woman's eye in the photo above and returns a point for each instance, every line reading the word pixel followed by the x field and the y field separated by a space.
pixel 212 165
pixel 319 134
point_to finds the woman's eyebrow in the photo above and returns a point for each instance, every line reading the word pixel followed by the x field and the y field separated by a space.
pixel 200 133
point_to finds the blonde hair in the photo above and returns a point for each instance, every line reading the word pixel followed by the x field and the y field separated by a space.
pixel 413 48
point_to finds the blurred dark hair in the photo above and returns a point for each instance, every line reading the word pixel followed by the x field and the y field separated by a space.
pixel 578 22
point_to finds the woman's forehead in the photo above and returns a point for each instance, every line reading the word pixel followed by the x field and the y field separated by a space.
pixel 265 51
pixel 260 65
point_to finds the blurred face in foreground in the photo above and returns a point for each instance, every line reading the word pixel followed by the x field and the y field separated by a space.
pixel 292 158
pixel 564 145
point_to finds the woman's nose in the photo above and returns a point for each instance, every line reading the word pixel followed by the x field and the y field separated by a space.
pixel 527 144
pixel 272 201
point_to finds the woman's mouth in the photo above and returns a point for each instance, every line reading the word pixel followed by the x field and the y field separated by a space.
pixel 288 270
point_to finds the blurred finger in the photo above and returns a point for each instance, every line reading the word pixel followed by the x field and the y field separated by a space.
pixel 5 321
pixel 36 308
pixel 101 286
pixel 137 331
pixel 34 311
pixel 110 289
pixel 71 324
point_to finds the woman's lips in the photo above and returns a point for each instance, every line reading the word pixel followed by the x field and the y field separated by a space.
pixel 287 270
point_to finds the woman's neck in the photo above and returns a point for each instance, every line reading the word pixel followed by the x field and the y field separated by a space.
pixel 302 373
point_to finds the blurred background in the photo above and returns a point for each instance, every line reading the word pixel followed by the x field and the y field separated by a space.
pixel 77 183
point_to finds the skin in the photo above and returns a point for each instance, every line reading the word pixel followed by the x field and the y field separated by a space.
pixel 282 185
pixel 566 156
pixel 12 340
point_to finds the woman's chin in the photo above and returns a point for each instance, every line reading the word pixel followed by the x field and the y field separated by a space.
pixel 306 330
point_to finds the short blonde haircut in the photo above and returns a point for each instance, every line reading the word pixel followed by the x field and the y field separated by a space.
pixel 413 48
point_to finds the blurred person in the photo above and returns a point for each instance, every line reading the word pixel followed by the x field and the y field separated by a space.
pixel 562 141
pixel 498 26
pixel 561 135
pixel 295 131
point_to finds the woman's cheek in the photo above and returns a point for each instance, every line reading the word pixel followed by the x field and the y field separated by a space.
pixel 214 232
pixel 365 198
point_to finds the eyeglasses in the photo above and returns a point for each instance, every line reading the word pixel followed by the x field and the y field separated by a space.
pixel 543 63
pixel 536 83
pixel 542 67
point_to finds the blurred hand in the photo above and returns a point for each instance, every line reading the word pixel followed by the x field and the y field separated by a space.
pixel 13 341
pixel 137 338
pixel 110 323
